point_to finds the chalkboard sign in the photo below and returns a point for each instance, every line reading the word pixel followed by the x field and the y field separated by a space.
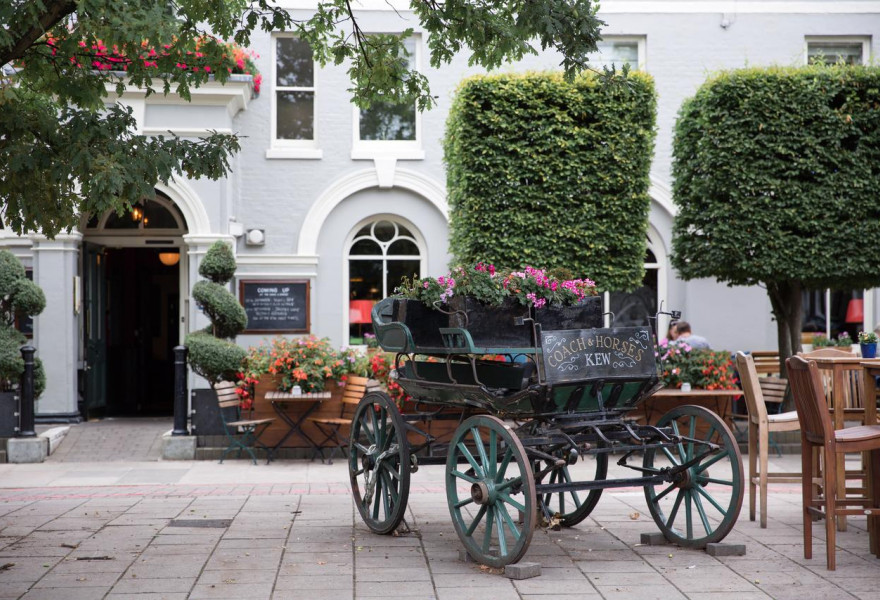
pixel 275 306
pixel 622 353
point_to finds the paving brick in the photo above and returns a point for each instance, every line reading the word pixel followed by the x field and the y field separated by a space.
pixel 522 570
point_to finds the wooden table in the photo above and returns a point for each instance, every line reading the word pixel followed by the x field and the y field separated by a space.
pixel 871 370
pixel 718 401
pixel 280 401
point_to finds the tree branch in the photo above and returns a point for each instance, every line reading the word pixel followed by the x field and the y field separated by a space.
pixel 55 11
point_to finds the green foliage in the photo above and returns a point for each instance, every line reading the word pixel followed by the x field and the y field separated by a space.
pixel 96 161
pixel 12 363
pixel 777 177
pixel 219 263
pixel 228 318
pixel 217 358
pixel 213 358
pixel 27 298
pixel 545 171
pixel 11 271
pixel 868 337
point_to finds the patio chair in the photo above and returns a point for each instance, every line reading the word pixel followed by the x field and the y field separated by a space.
pixel 759 392
pixel 818 434
pixel 242 434
pixel 332 428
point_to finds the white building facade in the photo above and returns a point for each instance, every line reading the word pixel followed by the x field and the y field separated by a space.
pixel 338 203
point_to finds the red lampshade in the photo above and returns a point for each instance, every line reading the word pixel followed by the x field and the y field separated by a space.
pixel 359 311
pixel 855 311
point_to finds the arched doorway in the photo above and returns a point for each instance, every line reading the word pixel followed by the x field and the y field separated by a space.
pixel 133 272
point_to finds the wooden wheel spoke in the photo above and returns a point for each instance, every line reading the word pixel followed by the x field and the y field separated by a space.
pixel 507 484
pixel 698 504
pixel 705 465
pixel 470 458
pixel 502 469
pixel 689 514
pixel 506 498
pixel 476 522
pixel 487 535
pixel 392 472
pixel 365 431
pixel 464 502
pixel 499 525
pixel 663 494
pixel 492 465
pixel 675 462
pixel 360 448
pixel 712 501
pixel 714 480
pixel 464 476
pixel 481 449
pixel 681 453
pixel 511 524
pixel 674 512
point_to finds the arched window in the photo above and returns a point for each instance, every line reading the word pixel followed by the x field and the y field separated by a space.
pixel 149 216
pixel 380 255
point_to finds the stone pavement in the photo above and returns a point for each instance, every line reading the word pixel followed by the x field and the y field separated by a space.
pixel 150 530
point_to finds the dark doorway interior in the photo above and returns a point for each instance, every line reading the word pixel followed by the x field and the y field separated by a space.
pixel 142 330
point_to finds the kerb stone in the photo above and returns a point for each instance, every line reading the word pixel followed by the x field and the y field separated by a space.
pixel 27 450
pixel 179 447
pixel 719 549
pixel 522 570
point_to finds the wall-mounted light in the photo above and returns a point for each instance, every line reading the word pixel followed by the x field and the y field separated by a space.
pixel 255 237
pixel 169 259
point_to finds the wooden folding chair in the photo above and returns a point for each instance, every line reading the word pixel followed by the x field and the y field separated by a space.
pixel 332 428
pixel 822 497
pixel 242 434
pixel 759 391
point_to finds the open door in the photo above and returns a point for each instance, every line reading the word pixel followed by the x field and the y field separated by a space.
pixel 95 292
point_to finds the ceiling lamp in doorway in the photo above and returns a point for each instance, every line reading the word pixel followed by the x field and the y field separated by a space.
pixel 169 259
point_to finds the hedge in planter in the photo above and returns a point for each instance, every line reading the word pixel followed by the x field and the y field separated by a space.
pixel 19 298
pixel 212 353
pixel 544 171
pixel 777 172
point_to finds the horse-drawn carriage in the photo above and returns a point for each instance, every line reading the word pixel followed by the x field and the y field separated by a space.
pixel 562 392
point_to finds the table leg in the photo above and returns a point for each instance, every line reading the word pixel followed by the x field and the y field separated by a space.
pixel 294 428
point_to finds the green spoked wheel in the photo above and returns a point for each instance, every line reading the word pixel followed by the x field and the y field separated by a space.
pixel 489 485
pixel 703 502
pixel 379 462
pixel 570 508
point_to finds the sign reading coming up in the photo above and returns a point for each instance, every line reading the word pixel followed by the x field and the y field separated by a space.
pixel 591 354
pixel 275 306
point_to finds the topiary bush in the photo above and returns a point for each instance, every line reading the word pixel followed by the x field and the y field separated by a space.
pixel 542 171
pixel 19 298
pixel 776 179
pixel 212 352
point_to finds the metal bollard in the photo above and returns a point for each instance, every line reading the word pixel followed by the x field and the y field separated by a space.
pixel 180 416
pixel 26 407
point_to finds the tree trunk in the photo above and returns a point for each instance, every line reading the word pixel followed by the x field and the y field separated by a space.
pixel 786 298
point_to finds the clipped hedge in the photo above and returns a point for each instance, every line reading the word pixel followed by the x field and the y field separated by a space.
pixel 212 353
pixel 554 173
pixel 19 298
pixel 777 178
pixel 227 315
pixel 215 359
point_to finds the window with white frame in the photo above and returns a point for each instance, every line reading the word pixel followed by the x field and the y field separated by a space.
pixel 293 118
pixel 616 51
pixel 381 254
pixel 831 50
pixel 390 128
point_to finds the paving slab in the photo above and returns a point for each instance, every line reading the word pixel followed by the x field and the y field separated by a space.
pixel 289 530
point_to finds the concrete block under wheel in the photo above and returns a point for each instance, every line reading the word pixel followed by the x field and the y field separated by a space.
pixel 522 570
pixel 719 549
pixel 463 556
pixel 654 538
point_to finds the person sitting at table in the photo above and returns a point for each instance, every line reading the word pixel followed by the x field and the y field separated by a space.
pixel 685 335
pixel 671 334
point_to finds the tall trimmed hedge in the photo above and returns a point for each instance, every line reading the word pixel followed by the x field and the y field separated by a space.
pixel 777 182
pixel 552 173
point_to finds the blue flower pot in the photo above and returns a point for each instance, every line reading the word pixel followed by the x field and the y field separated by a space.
pixel 869 350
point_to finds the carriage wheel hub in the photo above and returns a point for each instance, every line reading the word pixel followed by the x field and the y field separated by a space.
pixel 483 493
pixel 368 460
